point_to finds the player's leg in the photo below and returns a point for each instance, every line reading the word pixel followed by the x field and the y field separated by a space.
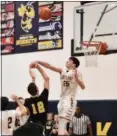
pixel 62 122
pixel 65 113
pixel 62 126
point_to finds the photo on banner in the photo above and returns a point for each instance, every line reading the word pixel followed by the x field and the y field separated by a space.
pixel 51 30
pixel 7 27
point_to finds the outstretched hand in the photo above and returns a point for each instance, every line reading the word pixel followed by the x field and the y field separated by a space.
pixel 79 80
pixel 14 97
pixel 33 65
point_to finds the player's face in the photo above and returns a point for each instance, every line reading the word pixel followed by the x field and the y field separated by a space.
pixel 70 64
pixel 50 117
pixel 22 101
pixel 56 118
pixel 78 111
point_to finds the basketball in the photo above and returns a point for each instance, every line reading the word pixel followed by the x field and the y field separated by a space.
pixel 45 13
pixel 103 48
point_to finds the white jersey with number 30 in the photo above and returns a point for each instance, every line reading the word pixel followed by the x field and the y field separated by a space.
pixel 68 84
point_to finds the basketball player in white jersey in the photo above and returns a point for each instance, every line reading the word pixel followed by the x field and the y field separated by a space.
pixel 8 119
pixel 70 79
pixel 21 119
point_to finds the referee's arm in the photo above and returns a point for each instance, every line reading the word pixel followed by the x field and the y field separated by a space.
pixel 89 126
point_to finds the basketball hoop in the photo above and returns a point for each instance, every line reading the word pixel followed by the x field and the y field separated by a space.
pixel 91 52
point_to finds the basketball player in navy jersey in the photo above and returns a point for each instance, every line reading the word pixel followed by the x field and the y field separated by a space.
pixel 38 104
pixel 70 80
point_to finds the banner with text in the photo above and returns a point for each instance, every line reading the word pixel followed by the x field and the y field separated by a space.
pixel 51 30
pixel 22 30
pixel 26 26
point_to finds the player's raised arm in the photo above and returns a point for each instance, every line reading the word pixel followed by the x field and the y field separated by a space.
pixel 22 108
pixel 79 80
pixel 32 74
pixel 44 75
pixel 47 65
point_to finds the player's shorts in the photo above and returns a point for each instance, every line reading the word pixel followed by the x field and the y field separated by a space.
pixel 29 129
pixel 67 108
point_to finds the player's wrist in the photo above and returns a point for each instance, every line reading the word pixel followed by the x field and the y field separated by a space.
pixel 36 64
pixel 77 80
pixel 33 80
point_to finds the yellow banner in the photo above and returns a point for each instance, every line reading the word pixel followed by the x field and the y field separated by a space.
pixel 49 44
pixel 26 42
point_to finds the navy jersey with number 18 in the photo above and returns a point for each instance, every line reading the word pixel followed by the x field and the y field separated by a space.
pixel 38 107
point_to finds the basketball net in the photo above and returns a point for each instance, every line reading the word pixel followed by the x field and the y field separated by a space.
pixel 91 51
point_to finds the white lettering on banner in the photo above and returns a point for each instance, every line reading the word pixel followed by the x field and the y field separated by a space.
pixel 49 36
pixel 45 3
pixel 4 35
pixel 57 8
pixel 9 24
pixel 6 2
pixel 57 18
pixel 52 26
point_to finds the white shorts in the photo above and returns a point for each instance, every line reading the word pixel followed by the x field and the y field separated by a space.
pixel 67 108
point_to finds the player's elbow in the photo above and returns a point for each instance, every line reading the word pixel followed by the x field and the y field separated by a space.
pixel 47 79
pixel 83 87
pixel 47 65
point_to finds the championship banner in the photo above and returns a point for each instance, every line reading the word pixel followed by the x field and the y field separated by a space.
pixel 51 30
pixel 26 26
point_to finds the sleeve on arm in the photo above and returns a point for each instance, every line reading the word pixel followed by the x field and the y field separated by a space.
pixel 45 94
pixel 88 121
pixel 25 104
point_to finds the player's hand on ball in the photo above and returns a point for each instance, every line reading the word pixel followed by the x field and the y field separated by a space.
pixel 33 64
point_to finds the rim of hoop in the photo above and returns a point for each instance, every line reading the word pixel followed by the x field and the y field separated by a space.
pixel 92 43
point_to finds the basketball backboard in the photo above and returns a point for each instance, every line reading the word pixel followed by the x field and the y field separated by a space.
pixel 95 22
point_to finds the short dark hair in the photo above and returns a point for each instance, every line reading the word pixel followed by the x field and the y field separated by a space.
pixel 4 103
pixel 32 89
pixel 21 98
pixel 75 61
